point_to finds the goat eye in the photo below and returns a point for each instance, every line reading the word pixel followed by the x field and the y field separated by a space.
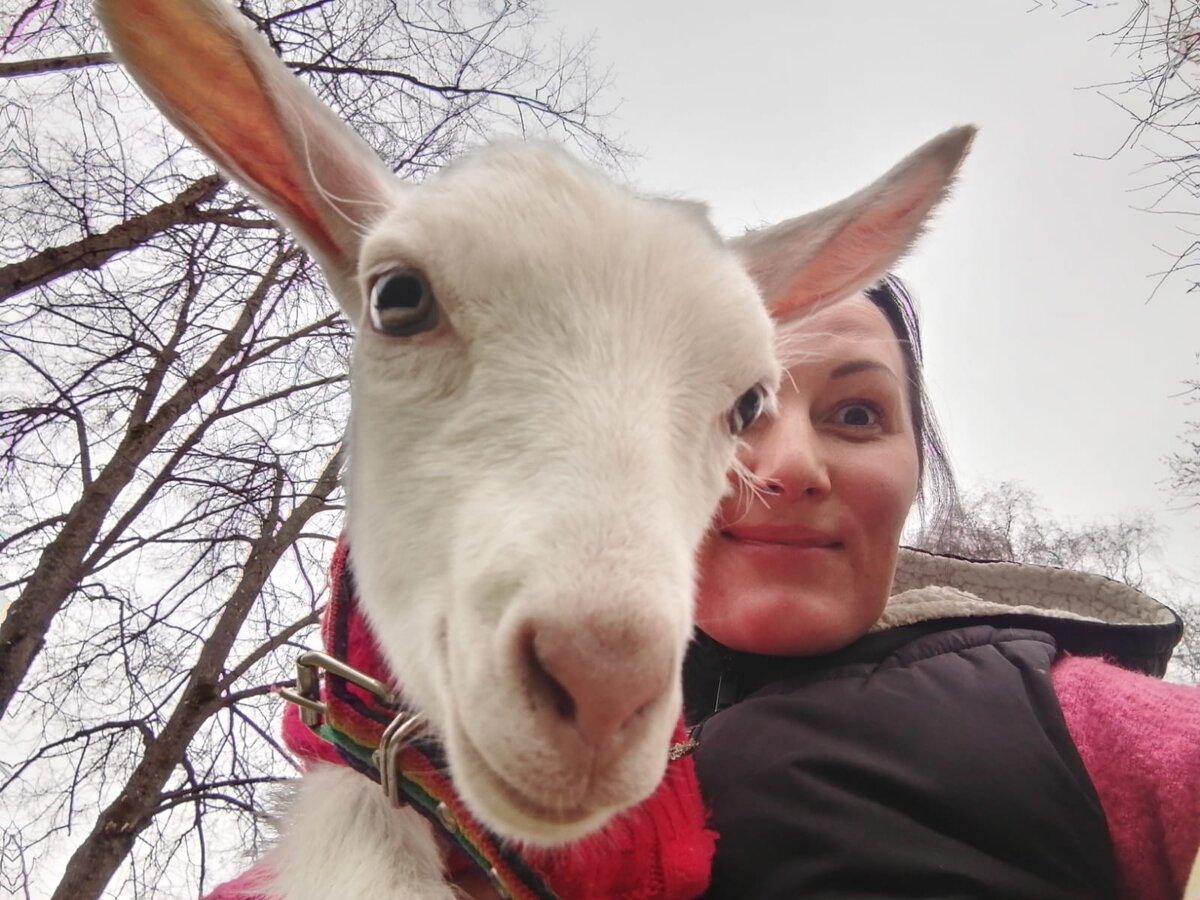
pixel 748 408
pixel 402 304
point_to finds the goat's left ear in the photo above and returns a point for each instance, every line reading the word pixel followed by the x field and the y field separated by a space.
pixel 842 249
pixel 220 83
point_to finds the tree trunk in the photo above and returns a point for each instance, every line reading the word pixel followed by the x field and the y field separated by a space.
pixel 95 250
pixel 23 67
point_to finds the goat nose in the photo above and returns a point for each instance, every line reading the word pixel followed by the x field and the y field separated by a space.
pixel 596 679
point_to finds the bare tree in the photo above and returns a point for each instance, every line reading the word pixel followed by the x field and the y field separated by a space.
pixel 1005 522
pixel 1185 464
pixel 1160 99
pixel 172 393
pixel 1186 661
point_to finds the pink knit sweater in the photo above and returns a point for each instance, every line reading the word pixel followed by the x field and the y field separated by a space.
pixel 1140 741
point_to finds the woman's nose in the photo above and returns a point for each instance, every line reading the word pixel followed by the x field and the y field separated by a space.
pixel 787 456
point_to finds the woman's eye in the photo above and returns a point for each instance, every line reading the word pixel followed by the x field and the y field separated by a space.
pixel 858 415
pixel 402 304
pixel 749 407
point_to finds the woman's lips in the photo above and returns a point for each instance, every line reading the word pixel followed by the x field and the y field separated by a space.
pixel 781 547
pixel 798 538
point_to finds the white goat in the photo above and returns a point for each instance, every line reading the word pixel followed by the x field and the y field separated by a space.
pixel 548 381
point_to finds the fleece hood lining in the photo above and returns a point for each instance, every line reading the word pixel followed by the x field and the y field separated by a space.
pixel 929 587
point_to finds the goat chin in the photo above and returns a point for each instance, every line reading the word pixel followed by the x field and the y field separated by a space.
pixel 572 796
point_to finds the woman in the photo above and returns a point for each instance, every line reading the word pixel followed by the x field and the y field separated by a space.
pixel 943 742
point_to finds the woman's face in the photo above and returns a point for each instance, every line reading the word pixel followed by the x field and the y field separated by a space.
pixel 807 566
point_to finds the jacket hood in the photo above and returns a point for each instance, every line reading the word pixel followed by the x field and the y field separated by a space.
pixel 1089 615
pixel 928 585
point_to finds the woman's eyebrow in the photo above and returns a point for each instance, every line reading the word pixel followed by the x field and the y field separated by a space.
pixel 860 365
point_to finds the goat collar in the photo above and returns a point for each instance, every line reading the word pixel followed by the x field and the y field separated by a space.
pixel 659 851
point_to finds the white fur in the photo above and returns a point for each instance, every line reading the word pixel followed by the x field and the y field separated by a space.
pixel 344 839
pixel 529 481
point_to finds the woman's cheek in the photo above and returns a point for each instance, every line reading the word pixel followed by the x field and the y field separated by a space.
pixel 885 488
pixel 716 582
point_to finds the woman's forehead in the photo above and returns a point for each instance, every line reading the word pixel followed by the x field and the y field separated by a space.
pixel 854 327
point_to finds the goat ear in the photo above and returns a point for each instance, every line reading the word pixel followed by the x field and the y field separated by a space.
pixel 219 82
pixel 841 249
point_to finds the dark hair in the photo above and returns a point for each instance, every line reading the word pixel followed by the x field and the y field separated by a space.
pixel 937 487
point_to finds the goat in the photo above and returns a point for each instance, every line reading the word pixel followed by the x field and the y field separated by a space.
pixel 548 381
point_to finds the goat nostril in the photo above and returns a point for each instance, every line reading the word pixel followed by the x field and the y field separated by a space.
pixel 592 677
pixel 545 686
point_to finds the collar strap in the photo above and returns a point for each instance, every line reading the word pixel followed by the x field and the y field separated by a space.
pixel 390 744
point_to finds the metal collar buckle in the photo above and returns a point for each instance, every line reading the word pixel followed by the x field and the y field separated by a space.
pixel 400 732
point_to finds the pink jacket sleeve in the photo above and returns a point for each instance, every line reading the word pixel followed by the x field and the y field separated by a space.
pixel 1140 741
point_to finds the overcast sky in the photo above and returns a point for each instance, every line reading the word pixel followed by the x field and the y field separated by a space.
pixel 1048 361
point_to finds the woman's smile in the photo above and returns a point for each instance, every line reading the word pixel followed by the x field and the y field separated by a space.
pixel 777 547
